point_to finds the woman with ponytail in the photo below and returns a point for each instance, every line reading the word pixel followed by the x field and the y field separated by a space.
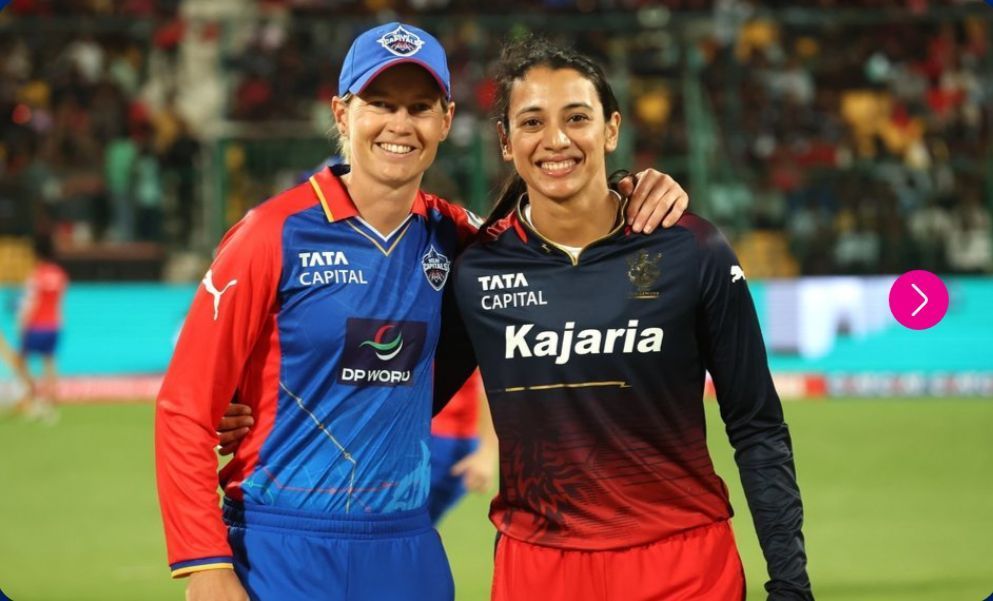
pixel 593 343
pixel 323 312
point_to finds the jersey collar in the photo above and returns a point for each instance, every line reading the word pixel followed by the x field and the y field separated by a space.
pixel 523 227
pixel 336 201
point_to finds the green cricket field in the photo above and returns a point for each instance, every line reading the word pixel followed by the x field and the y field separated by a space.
pixel 898 496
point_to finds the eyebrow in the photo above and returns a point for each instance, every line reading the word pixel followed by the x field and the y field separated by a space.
pixel 570 106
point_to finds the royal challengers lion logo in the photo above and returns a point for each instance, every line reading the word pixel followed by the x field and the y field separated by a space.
pixel 643 271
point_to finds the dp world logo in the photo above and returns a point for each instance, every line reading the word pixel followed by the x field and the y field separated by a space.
pixel 401 42
pixel 386 350
pixel 380 352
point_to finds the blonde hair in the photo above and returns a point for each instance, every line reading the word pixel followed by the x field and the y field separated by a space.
pixel 339 140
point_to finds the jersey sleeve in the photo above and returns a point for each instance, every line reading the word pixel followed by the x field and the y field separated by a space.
pixel 466 222
pixel 229 309
pixel 455 359
pixel 753 417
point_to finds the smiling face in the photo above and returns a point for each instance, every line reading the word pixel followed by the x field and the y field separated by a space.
pixel 557 136
pixel 393 127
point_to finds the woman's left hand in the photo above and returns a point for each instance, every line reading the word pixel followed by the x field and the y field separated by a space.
pixel 653 198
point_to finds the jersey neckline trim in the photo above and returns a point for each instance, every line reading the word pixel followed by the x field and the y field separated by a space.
pixel 574 259
pixel 386 251
pixel 338 204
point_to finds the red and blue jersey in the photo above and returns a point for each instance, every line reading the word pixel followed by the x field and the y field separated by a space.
pixel 327 329
pixel 44 291
pixel 594 368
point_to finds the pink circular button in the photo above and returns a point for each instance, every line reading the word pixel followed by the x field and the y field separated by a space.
pixel 918 299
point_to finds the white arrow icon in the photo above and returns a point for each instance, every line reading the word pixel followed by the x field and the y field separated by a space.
pixel 924 296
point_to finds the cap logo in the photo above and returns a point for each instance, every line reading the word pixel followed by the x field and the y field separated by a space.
pixel 401 42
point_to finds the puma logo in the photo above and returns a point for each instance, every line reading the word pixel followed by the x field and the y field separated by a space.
pixel 208 284
pixel 737 273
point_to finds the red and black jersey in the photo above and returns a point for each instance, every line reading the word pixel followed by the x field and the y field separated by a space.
pixel 595 368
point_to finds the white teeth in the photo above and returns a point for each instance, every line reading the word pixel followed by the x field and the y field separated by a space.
pixel 558 165
pixel 396 148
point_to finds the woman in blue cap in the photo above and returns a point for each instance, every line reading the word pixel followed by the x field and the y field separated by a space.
pixel 322 311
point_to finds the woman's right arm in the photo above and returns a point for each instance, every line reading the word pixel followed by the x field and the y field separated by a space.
pixel 753 418
pixel 231 307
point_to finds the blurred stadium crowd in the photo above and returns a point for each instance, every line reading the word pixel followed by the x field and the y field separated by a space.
pixel 824 142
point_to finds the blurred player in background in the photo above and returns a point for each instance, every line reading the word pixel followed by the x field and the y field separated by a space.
pixel 40 322
pixel 607 489
pixel 463 449
pixel 7 354
pixel 21 384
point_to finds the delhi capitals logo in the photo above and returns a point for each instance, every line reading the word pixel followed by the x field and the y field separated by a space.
pixel 436 268
pixel 385 350
pixel 401 42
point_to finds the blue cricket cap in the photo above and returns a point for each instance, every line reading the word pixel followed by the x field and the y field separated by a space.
pixel 382 47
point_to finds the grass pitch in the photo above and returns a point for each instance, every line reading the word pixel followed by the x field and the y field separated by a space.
pixel 898 497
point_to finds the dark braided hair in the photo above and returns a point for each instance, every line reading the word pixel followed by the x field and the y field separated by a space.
pixel 516 60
